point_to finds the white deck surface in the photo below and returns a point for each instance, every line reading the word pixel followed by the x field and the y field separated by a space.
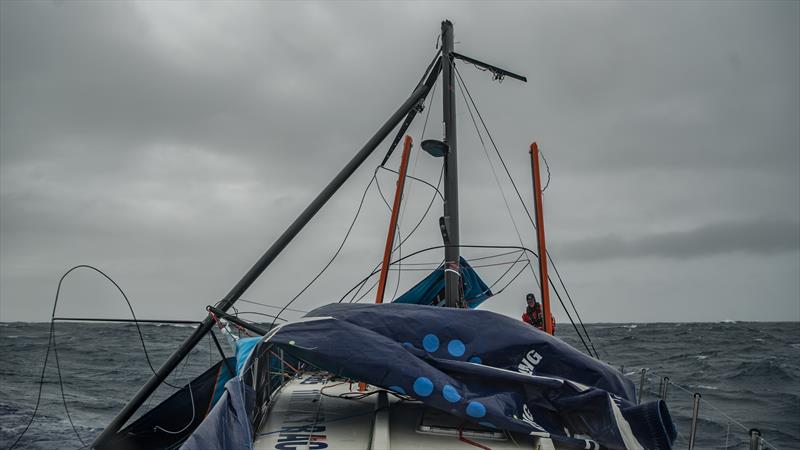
pixel 307 413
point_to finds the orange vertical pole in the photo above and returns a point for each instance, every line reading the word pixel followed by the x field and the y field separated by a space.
pixel 398 196
pixel 540 241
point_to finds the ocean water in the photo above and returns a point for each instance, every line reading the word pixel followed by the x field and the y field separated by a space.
pixel 747 373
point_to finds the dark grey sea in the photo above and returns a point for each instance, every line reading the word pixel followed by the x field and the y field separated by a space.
pixel 747 373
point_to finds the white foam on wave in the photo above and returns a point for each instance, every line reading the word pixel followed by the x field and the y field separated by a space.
pixel 703 386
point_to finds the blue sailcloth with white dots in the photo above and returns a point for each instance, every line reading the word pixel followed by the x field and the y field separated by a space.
pixel 479 366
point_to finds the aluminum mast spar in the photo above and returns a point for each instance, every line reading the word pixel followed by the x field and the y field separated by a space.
pixel 419 94
pixel 449 224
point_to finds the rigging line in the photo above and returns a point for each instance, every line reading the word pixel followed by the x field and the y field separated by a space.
pixel 507 270
pixel 434 266
pixel 191 421
pixel 51 343
pixel 492 256
pixel 519 196
pixel 461 88
pixel 512 280
pixel 415 179
pixel 262 314
pixel 503 263
pixel 546 166
pixel 577 314
pixel 399 254
pixel 410 188
pixel 338 250
pixel 413 230
pixel 573 324
pixel 435 247
pixel 61 388
pixel 491 139
pixel 383 197
pixel 365 293
pixel 272 306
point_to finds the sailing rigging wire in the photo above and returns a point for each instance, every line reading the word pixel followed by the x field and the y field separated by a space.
pixel 435 247
pixel 272 306
pixel 435 188
pixel 525 208
pixel 410 187
pixel 260 314
pixel 51 343
pixel 494 173
pixel 361 283
pixel 547 167
pixel 335 254
pixel 511 281
pixel 411 233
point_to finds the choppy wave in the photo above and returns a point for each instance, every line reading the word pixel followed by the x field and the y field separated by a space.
pixel 749 370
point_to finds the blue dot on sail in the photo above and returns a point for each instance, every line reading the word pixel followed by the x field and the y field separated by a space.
pixel 476 409
pixel 456 348
pixel 430 343
pixel 476 360
pixel 450 394
pixel 423 386
pixel 397 389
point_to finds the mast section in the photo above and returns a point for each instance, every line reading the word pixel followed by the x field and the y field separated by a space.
pixel 398 198
pixel 544 280
pixel 452 274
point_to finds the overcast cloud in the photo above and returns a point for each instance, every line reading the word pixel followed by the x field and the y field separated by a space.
pixel 170 143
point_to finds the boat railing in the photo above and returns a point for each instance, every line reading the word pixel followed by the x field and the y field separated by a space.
pixel 267 372
pixel 651 385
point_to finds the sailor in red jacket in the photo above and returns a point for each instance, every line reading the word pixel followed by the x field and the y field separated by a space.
pixel 533 313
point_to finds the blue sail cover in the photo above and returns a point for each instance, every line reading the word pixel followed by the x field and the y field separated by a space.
pixel 429 290
pixel 476 365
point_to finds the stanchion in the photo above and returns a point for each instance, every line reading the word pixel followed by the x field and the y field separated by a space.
pixel 664 388
pixel 695 412
pixel 641 385
pixel 755 439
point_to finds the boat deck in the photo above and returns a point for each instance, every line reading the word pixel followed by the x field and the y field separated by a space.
pixel 315 411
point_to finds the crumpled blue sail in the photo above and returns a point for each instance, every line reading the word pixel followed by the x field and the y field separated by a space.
pixel 477 365
pixel 429 290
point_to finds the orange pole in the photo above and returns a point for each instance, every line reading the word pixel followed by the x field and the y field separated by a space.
pixel 540 242
pixel 398 196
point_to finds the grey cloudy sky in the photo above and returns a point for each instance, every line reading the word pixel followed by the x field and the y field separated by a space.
pixel 170 143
